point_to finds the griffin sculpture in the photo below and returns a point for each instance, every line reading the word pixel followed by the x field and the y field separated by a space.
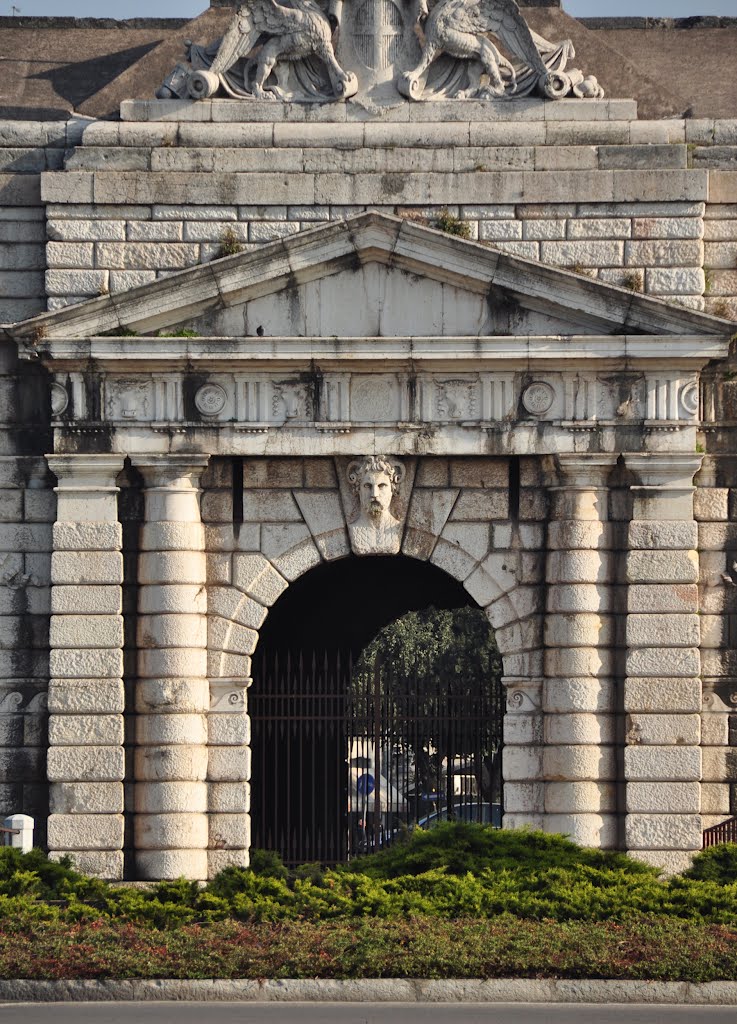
pixel 269 32
pixel 461 29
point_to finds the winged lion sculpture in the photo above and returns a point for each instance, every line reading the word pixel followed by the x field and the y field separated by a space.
pixel 262 37
pixel 461 29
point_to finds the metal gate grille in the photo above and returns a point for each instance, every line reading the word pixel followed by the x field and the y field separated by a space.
pixel 343 762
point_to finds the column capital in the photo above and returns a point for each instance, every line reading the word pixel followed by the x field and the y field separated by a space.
pixel 173 472
pixel 579 470
pixel 663 470
pixel 86 472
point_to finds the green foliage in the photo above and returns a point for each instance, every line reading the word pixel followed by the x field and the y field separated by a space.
pixel 461 847
pixel 183 332
pixel 33 874
pixel 230 243
pixel 716 864
pixel 119 332
pixel 451 225
pixel 456 871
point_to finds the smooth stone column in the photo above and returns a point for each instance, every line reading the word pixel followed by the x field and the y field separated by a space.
pixel 662 688
pixel 578 698
pixel 172 695
pixel 86 698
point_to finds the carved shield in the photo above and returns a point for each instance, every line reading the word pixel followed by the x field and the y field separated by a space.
pixel 376 42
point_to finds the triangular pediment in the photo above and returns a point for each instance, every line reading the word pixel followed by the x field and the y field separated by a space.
pixel 371 275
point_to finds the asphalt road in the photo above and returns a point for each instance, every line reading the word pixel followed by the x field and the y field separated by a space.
pixel 360 1013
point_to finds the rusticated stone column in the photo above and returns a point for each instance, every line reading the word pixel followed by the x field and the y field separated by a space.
pixel 662 689
pixel 86 699
pixel 578 699
pixel 172 696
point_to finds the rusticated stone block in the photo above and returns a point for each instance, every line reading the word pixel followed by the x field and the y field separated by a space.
pixel 87 536
pixel 218 860
pixel 78 730
pixel 87 798
pixel 88 696
pixel 85 831
pixel 171 798
pixel 85 764
pixel 522 762
pixel 90 631
pixel 661 730
pixel 93 600
pixel 171 763
pixel 579 797
pixel 579 729
pixel 86 664
pixel 229 764
pixel 663 831
pixel 171 864
pixel 663 630
pixel 75 567
pixel 662 567
pixel 664 798
pixel 579 763
pixel 660 661
pixel 258 578
pixel 99 864
pixel 229 730
pixel 229 797
pixel 662 764
pixel 184 729
pixel 654 695
pixel 170 831
pixel 229 831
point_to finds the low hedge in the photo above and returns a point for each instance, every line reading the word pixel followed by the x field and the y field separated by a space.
pixel 453 871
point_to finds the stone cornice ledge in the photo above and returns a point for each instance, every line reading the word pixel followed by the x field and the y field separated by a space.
pixel 377 354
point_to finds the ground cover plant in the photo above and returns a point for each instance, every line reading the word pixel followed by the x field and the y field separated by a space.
pixel 457 900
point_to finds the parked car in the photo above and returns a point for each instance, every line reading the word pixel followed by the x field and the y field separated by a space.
pixel 487 814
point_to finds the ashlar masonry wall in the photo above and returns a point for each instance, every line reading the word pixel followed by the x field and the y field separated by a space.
pixel 581 185
pixel 107 206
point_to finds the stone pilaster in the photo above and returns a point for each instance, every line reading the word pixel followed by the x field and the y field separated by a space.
pixel 662 689
pixel 172 695
pixel 86 699
pixel 229 773
pixel 522 754
pixel 578 698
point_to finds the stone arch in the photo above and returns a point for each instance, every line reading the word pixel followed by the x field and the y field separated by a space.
pixel 455 524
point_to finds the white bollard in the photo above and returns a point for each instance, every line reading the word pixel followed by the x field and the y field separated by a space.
pixel 24 839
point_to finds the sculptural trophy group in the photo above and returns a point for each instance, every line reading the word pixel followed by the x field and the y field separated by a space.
pixel 452 49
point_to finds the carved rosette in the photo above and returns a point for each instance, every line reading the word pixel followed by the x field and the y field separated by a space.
pixel 210 400
pixel 538 398
pixel 59 399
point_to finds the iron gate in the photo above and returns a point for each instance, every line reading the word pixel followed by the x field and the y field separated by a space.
pixel 343 761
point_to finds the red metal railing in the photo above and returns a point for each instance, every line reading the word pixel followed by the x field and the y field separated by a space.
pixel 724 832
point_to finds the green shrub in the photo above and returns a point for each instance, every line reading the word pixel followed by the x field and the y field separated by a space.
pixel 460 847
pixel 717 864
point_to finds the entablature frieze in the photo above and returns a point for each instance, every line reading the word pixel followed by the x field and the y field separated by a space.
pixel 517 388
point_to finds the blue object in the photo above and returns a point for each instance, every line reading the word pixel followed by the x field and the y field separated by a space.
pixel 365 784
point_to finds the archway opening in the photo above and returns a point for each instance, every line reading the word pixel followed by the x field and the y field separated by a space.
pixel 347 752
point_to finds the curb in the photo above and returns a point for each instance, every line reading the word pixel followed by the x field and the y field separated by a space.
pixel 380 990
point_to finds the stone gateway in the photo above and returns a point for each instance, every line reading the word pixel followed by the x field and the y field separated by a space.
pixel 367 302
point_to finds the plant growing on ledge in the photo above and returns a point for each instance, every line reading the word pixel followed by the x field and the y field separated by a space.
pixel 230 243
pixel 451 225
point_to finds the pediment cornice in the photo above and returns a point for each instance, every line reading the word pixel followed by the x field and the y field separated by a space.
pixel 590 306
